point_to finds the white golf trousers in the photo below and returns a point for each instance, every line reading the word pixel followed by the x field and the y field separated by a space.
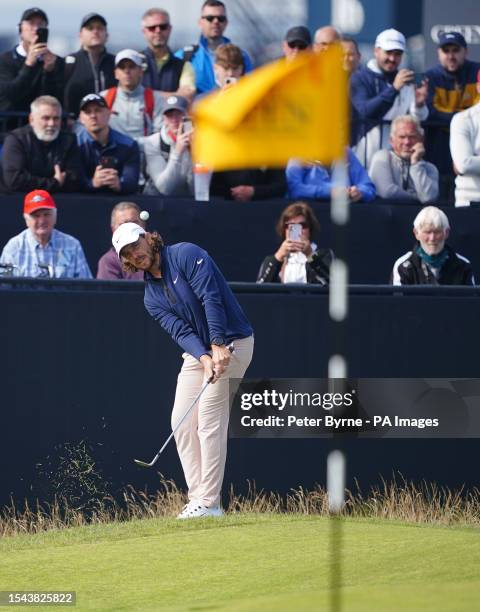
pixel 202 437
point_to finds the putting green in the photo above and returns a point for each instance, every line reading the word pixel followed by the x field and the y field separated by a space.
pixel 249 562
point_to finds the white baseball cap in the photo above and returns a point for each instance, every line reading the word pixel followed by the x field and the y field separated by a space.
pixel 390 40
pixel 130 54
pixel 127 233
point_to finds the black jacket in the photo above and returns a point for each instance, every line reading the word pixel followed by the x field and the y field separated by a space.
pixel 21 84
pixel 410 269
pixel 83 77
pixel 268 183
pixel 168 79
pixel 28 163
pixel 318 270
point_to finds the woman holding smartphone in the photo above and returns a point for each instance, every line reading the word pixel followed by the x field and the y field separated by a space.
pixel 298 259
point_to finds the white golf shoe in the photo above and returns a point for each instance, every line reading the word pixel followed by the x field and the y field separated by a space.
pixel 195 509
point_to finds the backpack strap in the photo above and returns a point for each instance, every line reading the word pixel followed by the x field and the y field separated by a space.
pixel 149 105
pixel 188 52
pixel 149 100
pixel 110 96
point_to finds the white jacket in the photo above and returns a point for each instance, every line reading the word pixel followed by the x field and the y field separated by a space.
pixel 465 150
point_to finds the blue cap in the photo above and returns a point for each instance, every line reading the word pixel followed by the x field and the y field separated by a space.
pixel 452 38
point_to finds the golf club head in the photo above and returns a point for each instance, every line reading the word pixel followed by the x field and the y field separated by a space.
pixel 142 463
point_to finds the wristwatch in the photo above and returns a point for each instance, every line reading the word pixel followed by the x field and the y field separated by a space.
pixel 218 341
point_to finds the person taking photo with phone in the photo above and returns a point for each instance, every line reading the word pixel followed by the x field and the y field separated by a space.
pixel 30 69
pixel 246 184
pixel 298 259
pixel 167 152
pixel 111 160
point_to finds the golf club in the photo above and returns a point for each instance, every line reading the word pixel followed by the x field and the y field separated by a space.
pixel 187 412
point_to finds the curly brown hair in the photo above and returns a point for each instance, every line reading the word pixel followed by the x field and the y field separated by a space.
pixel 154 240
pixel 294 210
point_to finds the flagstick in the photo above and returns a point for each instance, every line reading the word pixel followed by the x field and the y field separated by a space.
pixel 336 500
pixel 337 366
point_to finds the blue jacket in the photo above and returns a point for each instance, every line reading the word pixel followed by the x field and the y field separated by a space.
pixel 122 147
pixel 448 93
pixel 192 301
pixel 372 96
pixel 315 181
pixel 202 63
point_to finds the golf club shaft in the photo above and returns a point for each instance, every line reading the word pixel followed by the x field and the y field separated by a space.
pixel 231 348
pixel 180 422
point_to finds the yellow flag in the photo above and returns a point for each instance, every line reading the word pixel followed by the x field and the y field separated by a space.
pixel 284 110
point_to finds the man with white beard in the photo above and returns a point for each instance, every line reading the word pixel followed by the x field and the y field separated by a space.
pixel 40 155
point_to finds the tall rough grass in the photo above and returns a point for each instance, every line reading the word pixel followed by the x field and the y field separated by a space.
pixel 397 499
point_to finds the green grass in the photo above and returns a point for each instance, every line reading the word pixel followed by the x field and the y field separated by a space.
pixel 249 562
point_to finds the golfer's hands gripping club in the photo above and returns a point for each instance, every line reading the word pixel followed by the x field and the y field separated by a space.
pixel 216 364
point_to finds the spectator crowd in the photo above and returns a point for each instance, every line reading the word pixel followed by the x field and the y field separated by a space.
pixel 104 123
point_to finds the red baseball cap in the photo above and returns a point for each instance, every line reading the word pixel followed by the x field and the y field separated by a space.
pixel 37 199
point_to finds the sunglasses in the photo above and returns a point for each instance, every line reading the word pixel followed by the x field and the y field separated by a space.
pixel 304 225
pixel 163 27
pixel 211 18
pixel 297 44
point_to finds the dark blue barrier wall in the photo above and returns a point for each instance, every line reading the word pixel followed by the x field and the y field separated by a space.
pixel 83 361
pixel 239 235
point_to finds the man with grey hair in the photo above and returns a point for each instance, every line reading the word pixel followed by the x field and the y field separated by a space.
pixel 41 251
pixel 40 155
pixel 109 266
pixel 324 37
pixel 402 173
pixel 164 72
pixel 431 261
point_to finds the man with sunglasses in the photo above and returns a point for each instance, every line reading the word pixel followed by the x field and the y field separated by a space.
pixel 164 72
pixel 297 39
pixel 213 22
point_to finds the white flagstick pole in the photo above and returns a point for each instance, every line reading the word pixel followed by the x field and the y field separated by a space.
pixel 338 368
pixel 336 500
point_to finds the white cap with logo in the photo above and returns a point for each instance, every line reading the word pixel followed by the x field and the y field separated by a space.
pixel 391 40
pixel 127 233
pixel 130 54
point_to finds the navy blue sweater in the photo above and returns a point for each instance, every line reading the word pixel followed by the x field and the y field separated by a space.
pixel 372 96
pixel 448 93
pixel 192 301
pixel 120 146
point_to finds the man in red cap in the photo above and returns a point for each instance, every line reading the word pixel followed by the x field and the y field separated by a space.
pixel 41 250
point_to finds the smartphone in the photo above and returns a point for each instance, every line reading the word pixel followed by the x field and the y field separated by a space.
pixel 187 125
pixel 108 161
pixel 42 35
pixel 295 231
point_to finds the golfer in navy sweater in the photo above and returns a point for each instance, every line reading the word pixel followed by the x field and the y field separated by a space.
pixel 187 294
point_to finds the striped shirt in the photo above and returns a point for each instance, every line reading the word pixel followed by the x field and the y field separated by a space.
pixel 61 257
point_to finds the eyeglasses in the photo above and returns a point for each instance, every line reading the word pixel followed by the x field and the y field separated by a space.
pixel 298 44
pixel 163 27
pixel 211 18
